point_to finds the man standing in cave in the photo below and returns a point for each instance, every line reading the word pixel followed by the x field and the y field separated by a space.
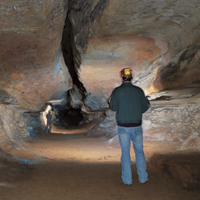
pixel 130 103
pixel 49 122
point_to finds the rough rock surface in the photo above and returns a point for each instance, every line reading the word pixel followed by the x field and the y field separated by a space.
pixel 173 117
pixel 30 60
pixel 3 135
pixel 158 39
pixel 18 127
pixel 14 124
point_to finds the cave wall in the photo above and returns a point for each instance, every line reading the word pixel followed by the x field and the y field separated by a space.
pixel 47 46
pixel 32 67
pixel 159 40
pixel 178 120
pixel 14 125
pixel 3 135
pixel 18 127
pixel 31 33
pixel 181 70
pixel 39 58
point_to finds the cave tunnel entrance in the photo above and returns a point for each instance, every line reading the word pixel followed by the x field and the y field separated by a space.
pixel 67 117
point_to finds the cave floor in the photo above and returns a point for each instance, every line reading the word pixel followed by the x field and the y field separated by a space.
pixel 69 165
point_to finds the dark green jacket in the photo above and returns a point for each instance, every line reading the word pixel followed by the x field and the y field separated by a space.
pixel 129 102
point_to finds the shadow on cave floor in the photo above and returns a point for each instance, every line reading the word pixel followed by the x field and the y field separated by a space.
pixel 76 167
pixel 84 128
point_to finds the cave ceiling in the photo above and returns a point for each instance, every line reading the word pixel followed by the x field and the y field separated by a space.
pixel 158 39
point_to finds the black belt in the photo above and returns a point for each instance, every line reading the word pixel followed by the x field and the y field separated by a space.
pixel 129 124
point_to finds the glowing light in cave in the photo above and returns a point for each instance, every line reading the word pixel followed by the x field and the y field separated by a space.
pixel 45 113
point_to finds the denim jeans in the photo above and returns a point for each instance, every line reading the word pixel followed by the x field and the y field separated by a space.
pixel 48 128
pixel 126 134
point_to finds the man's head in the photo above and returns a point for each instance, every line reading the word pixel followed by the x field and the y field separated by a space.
pixel 126 74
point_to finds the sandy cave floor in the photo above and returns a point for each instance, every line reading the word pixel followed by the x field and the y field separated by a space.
pixel 67 165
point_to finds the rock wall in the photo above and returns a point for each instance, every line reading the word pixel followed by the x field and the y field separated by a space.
pixel 31 33
pixel 174 121
pixel 174 116
pixel 158 40
pixel 18 127
pixel 33 70
pixel 35 123
pixel 181 70
pixel 3 135
pixel 14 124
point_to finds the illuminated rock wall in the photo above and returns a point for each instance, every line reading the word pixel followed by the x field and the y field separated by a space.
pixel 158 40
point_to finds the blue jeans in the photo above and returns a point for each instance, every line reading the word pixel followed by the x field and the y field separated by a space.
pixel 135 134
pixel 48 128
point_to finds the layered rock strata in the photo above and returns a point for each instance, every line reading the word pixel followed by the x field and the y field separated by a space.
pixel 173 117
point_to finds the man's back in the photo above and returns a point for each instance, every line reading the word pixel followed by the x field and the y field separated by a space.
pixel 49 117
pixel 129 102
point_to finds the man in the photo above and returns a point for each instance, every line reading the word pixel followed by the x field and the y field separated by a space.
pixel 49 121
pixel 130 103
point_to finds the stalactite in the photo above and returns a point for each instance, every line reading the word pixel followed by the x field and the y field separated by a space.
pixel 68 53
pixel 72 54
pixel 98 9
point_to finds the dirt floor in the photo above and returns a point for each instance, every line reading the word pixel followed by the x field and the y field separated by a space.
pixel 67 165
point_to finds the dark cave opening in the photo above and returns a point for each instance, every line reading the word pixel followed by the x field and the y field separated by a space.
pixel 67 117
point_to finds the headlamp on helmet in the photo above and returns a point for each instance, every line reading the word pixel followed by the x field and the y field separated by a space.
pixel 126 72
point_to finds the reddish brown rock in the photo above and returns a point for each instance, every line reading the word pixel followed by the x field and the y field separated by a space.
pixel 106 57
pixel 30 58
pixel 151 37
